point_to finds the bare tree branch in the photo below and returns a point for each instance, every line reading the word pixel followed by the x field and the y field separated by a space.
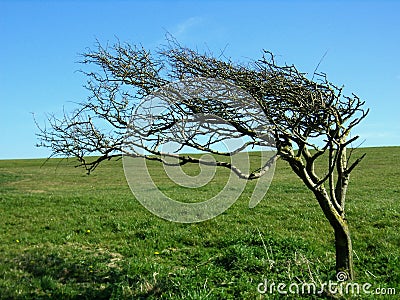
pixel 140 101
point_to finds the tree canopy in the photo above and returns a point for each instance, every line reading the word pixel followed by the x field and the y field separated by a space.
pixel 189 96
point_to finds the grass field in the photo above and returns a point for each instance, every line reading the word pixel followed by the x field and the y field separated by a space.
pixel 66 235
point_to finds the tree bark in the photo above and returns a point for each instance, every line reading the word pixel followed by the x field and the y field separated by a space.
pixel 344 250
pixel 343 244
pixel 333 213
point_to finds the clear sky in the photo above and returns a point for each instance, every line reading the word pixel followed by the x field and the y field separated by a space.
pixel 41 42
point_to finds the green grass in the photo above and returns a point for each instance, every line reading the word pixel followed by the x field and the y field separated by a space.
pixel 66 235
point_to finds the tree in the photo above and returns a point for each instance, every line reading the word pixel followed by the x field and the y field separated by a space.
pixel 307 119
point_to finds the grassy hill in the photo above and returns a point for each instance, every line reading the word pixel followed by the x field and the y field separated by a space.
pixel 66 235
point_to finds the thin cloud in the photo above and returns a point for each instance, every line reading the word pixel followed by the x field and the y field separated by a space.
pixel 186 25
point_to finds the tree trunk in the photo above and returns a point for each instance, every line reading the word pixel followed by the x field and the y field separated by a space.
pixel 344 250
pixel 333 211
pixel 343 245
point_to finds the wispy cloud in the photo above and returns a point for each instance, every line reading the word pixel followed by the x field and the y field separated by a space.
pixel 183 27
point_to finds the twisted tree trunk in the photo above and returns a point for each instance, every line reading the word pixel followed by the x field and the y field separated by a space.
pixel 343 244
pixel 344 250
pixel 331 201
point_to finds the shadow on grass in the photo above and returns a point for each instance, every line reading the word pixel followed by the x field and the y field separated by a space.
pixel 75 274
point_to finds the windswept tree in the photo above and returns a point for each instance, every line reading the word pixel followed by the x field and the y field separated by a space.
pixel 308 119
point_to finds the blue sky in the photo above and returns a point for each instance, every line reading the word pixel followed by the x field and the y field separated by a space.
pixel 41 42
